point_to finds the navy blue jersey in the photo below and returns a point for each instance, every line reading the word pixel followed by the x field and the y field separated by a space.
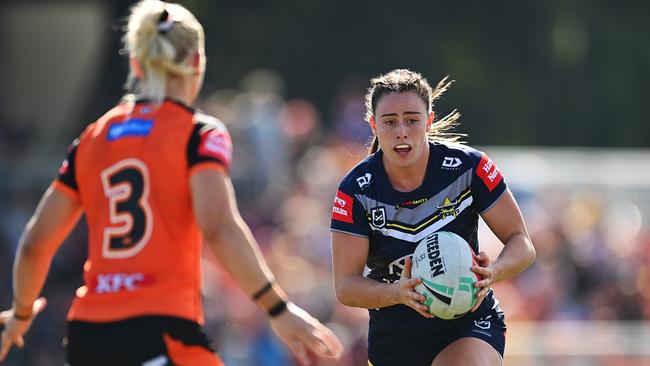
pixel 460 183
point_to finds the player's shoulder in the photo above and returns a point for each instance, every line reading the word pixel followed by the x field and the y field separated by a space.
pixel 362 175
pixel 207 121
pixel 454 154
pixel 95 130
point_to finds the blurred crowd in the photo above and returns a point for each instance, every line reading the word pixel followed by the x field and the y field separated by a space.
pixel 592 249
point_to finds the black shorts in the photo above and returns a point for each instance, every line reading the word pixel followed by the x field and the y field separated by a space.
pixel 157 340
pixel 388 347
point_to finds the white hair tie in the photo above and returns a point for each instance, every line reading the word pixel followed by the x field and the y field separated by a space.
pixel 165 22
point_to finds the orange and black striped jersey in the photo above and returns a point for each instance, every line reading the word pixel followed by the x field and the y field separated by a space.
pixel 130 172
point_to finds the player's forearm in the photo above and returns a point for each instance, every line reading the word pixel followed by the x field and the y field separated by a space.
pixel 30 272
pixel 362 292
pixel 56 214
pixel 515 257
pixel 238 253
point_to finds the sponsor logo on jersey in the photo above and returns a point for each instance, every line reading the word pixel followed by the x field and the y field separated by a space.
pixel 448 208
pixel 378 217
pixel 117 282
pixel 488 172
pixel 451 163
pixel 364 181
pixel 411 203
pixel 130 127
pixel 436 263
pixel 216 143
pixel 342 209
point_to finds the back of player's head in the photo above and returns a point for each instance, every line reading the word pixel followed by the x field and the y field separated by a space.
pixel 162 38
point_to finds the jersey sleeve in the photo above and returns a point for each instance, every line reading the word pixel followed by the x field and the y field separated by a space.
pixel 209 145
pixel 488 183
pixel 348 214
pixel 66 180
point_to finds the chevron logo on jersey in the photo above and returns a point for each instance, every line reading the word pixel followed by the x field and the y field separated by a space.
pixel 428 217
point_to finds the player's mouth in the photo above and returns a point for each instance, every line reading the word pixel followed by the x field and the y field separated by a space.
pixel 402 150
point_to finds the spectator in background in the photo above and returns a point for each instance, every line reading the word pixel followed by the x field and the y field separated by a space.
pixel 415 182
pixel 150 176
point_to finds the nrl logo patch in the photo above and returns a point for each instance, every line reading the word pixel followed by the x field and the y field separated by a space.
pixel 378 217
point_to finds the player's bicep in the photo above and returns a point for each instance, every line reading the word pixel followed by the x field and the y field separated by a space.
pixel 213 200
pixel 504 218
pixel 349 255
pixel 56 214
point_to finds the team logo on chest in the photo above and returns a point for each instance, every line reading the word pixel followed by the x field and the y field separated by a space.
pixel 448 208
pixel 378 215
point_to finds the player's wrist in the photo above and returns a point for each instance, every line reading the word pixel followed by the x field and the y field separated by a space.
pixel 395 293
pixel 22 312
pixel 278 308
pixel 268 286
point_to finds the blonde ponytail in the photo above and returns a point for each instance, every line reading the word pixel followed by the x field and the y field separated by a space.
pixel 161 36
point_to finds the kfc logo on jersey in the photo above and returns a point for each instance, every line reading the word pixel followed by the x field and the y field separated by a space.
pixel 217 144
pixel 364 180
pixel 342 209
pixel 488 172
pixel 117 282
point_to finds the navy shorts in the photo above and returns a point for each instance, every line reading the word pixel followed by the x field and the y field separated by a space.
pixel 387 347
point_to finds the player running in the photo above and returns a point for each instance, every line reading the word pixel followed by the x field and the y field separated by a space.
pixel 417 181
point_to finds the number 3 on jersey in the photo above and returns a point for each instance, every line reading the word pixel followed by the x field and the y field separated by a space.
pixel 126 186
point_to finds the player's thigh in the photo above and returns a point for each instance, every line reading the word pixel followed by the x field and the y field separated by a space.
pixel 468 351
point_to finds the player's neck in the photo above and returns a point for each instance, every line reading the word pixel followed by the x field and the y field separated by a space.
pixel 409 178
pixel 180 89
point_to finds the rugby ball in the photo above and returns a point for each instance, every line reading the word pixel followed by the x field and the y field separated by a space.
pixel 443 261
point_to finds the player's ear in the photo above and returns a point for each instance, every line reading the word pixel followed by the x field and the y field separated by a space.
pixel 196 59
pixel 430 119
pixel 373 124
pixel 136 67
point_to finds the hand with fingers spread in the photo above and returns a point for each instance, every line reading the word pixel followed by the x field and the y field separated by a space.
pixel 486 278
pixel 406 293
pixel 16 325
pixel 303 333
